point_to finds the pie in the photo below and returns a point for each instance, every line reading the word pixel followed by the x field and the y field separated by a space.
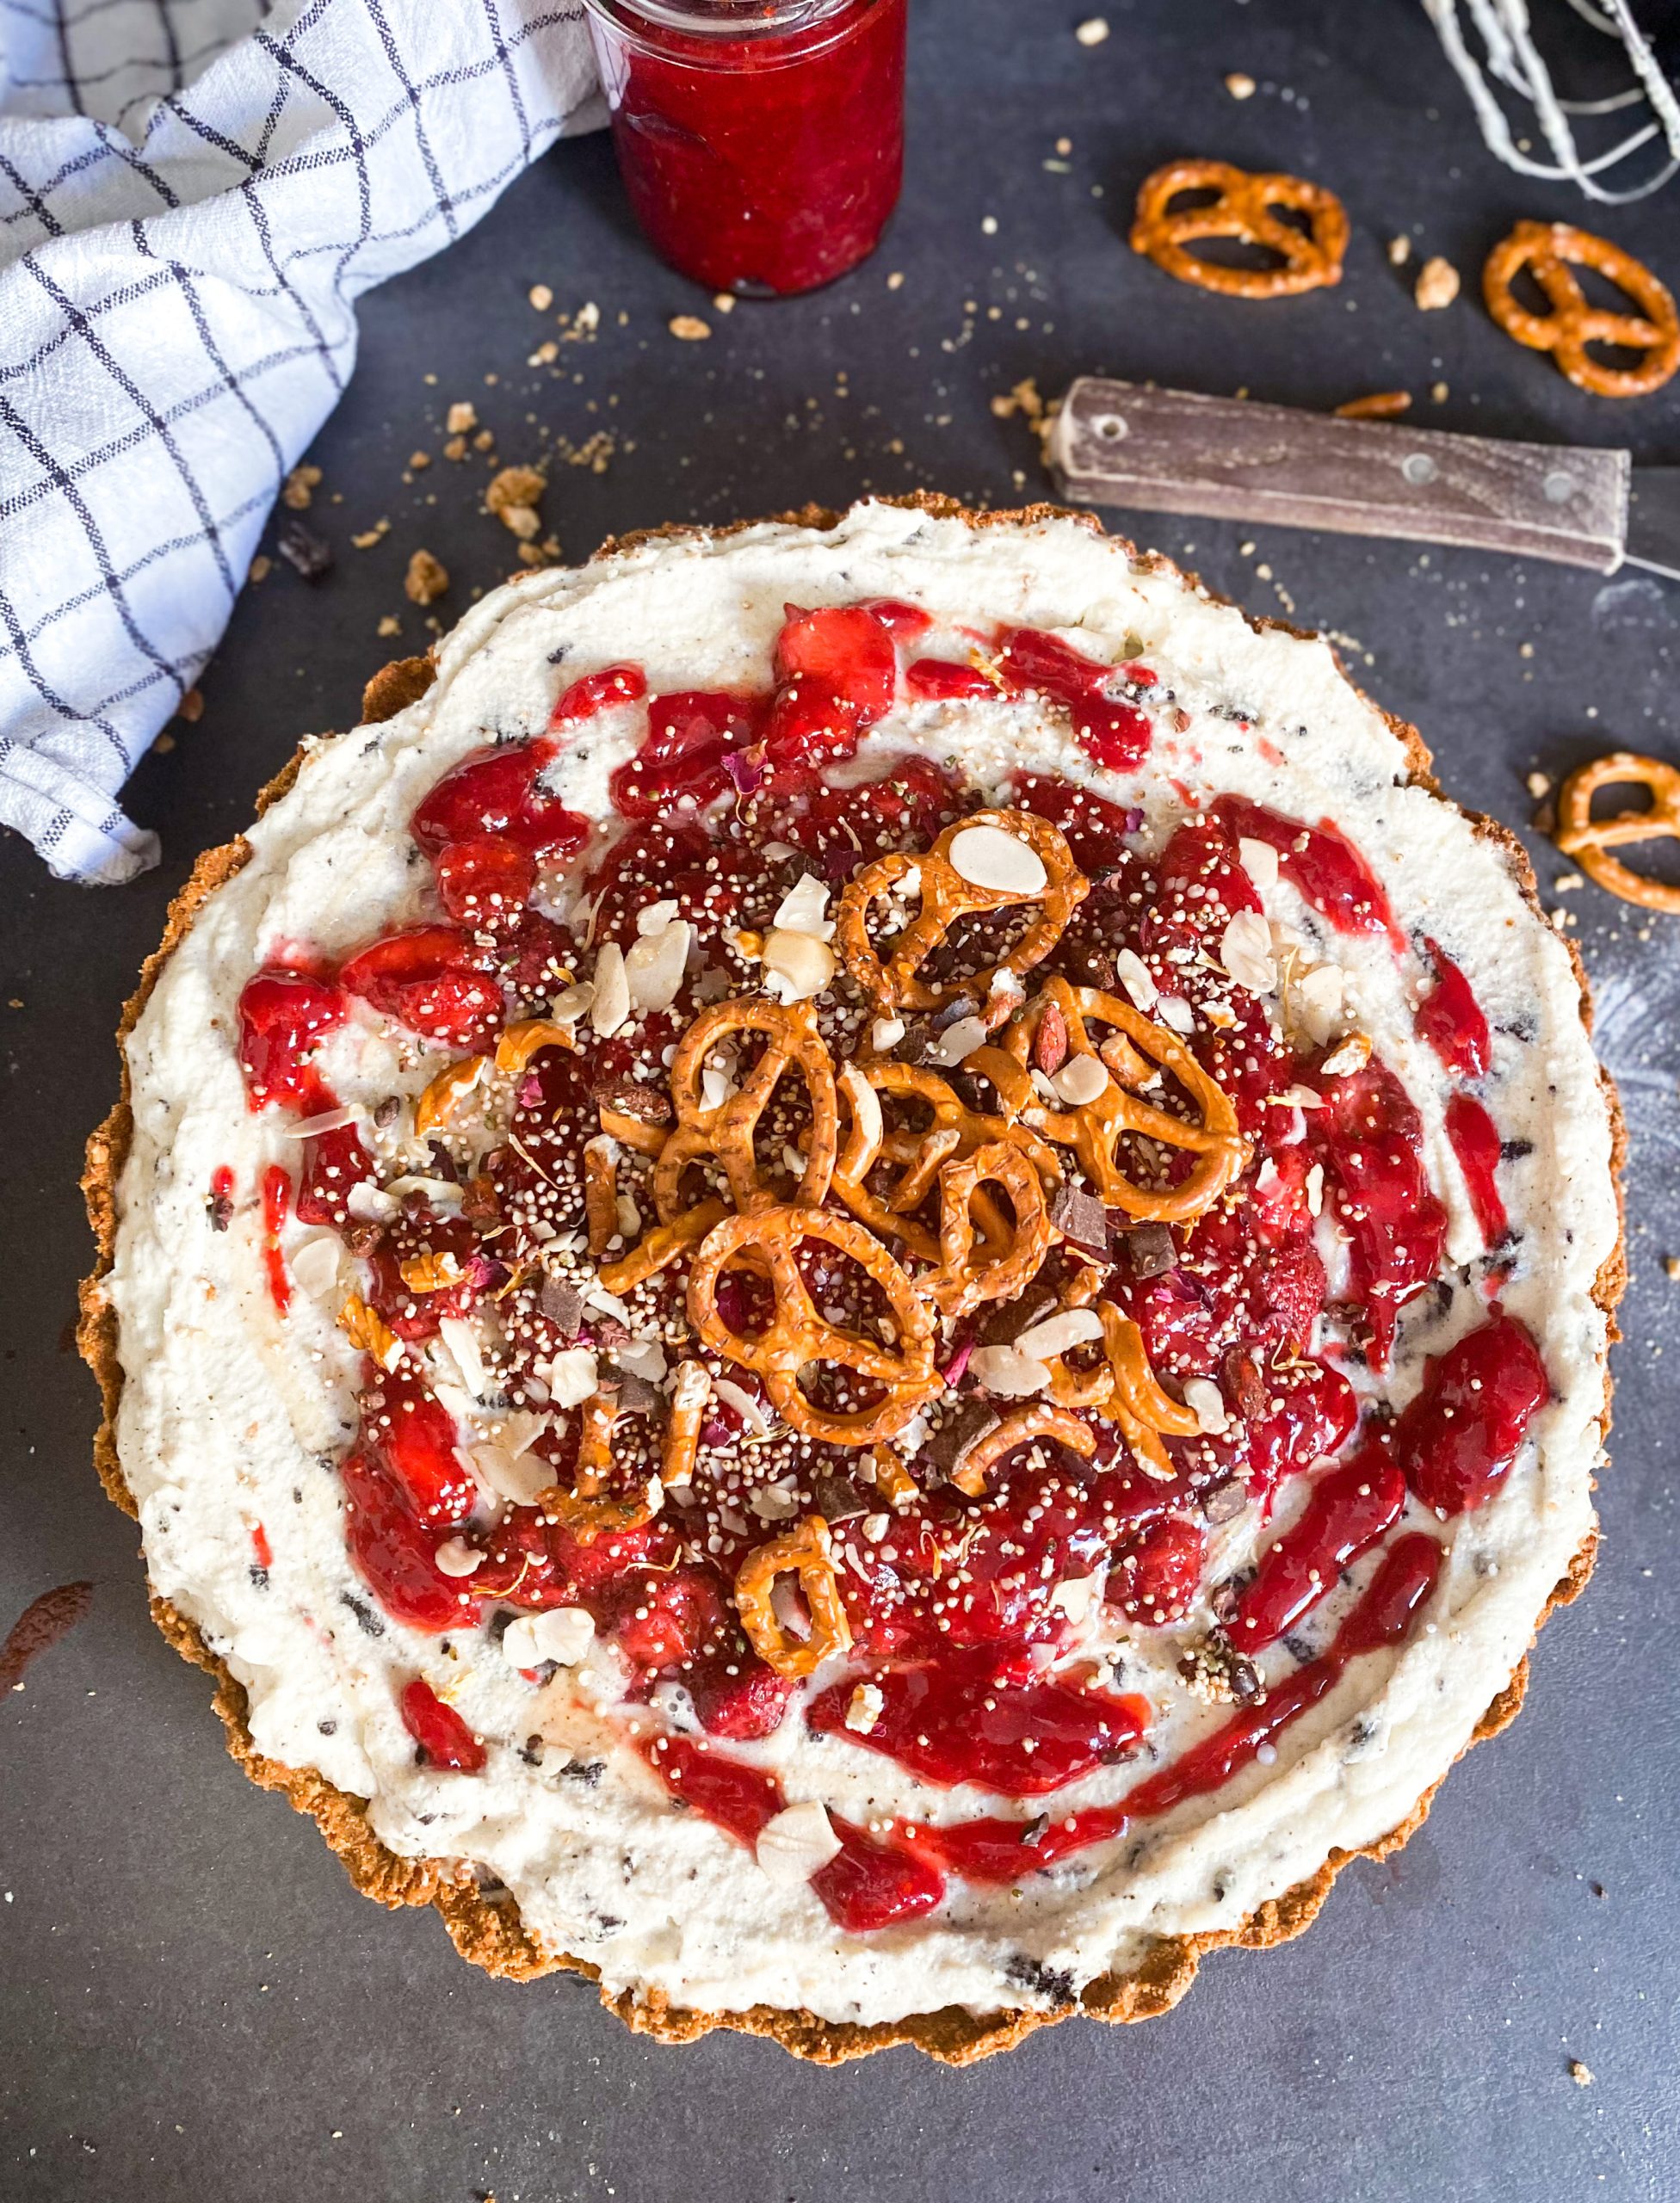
pixel 864 1278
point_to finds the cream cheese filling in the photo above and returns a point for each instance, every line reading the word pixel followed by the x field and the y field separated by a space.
pixel 233 1417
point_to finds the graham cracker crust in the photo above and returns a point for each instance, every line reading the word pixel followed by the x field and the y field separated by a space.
pixel 487 1928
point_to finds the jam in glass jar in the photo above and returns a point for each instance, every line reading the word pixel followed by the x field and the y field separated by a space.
pixel 761 141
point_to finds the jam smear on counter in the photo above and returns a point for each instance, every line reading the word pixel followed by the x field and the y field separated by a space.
pixel 960 1602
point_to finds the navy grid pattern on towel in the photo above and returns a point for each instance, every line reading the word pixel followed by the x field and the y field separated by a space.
pixel 193 195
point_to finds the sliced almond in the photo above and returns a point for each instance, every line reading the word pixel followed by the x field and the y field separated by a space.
pixel 795 966
pixel 653 969
pixel 656 917
pixel 610 1008
pixel 1205 1401
pixel 1259 861
pixel 1080 1079
pixel 804 909
pixel 1070 1327
pixel 987 856
pixel 957 1042
pixel 796 1843
pixel 1318 996
pixel 1134 975
pixel 572 1377
pixel 1008 1372
pixel 1246 951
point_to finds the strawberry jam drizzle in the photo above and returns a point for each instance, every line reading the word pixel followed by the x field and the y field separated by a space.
pixel 1369 1139
pixel 276 1200
pixel 998 1851
pixel 1475 1140
pixel 1452 1021
pixel 963 1697
pixel 1457 1439
pixel 1320 861
pixel 443 1737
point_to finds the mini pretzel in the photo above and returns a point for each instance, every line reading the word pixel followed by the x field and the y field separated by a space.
pixel 587 1511
pixel 632 1132
pixel 1035 1422
pixel 1546 250
pixel 1589 840
pixel 1094 1130
pixel 956 1131
pixel 658 1250
pixel 601 1191
pixel 521 1041
pixel 892 1479
pixel 946 896
pixel 1309 259
pixel 1015 1258
pixel 726 1132
pixel 807 1553
pixel 687 1413
pixel 799 1337
pixel 1124 1388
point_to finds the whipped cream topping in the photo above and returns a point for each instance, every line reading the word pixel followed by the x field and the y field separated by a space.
pixel 234 1417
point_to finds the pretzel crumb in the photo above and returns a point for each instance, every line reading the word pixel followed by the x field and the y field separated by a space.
pixel 427 578
pixel 299 488
pixel 1376 406
pixel 391 624
pixel 1400 251
pixel 541 297
pixel 1437 285
pixel 461 417
pixel 689 328
pixel 1240 85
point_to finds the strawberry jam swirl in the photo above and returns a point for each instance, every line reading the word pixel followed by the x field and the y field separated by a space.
pixel 857 1251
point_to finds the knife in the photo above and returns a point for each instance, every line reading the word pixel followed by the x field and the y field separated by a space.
pixel 1171 451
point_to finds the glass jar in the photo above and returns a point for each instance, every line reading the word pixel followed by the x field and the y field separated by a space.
pixel 761 141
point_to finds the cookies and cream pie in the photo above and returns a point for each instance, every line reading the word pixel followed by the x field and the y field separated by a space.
pixel 867 1281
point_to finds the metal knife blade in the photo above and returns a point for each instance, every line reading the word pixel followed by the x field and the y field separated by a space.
pixel 1653 522
pixel 1118 443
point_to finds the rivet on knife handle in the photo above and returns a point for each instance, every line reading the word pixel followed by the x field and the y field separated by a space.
pixel 1117 443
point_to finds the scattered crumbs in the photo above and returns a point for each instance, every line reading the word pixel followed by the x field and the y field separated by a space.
pixel 462 415
pixel 485 440
pixel 370 536
pixel 1671 1264
pixel 513 495
pixel 391 624
pixel 427 578
pixel 541 297
pixel 988 226
pixel 1526 650
pixel 1263 571
pixel 1567 882
pixel 261 567
pixel 455 448
pixel 431 378
pixel 724 301
pixel 162 746
pixel 1438 392
pixel 300 487
pixel 545 355
pixel 895 282
pixel 1400 251
pixel 1092 31
pixel 689 328
pixel 1539 784
pixel 419 461
pixel 1436 285
pixel 1580 2073
pixel 1240 85
pixel 191 707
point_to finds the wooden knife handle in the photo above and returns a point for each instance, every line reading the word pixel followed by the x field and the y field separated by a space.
pixel 1167 451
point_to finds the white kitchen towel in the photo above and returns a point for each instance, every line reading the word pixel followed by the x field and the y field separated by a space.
pixel 193 195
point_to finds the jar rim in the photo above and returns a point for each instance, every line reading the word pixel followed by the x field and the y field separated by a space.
pixel 641 22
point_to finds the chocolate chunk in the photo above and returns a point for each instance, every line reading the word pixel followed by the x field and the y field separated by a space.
pixel 301 547
pixel 1224 1501
pixel 1151 1248
pixel 1008 1319
pixel 444 1165
pixel 563 1305
pixel 389 1110
pixel 1081 1218
pixel 479 1204
pixel 1224 1598
pixel 953 1012
pixel 913 1044
pixel 632 1099
pixel 636 1395
pixel 219 1207
pixel 1034 1830
pixel 839 1499
pixel 948 1445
